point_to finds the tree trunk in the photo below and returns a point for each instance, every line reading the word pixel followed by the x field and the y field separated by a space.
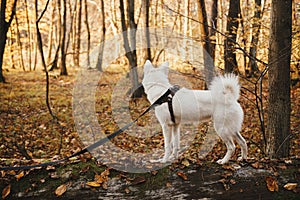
pixel 252 65
pixel 20 47
pixel 77 36
pixel 4 26
pixel 130 51
pixel 278 128
pixel 86 22
pixel 214 25
pixel 229 43
pixel 207 53
pixel 63 67
pixel 147 32
pixel 101 48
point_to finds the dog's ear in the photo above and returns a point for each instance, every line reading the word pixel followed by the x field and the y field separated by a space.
pixel 147 66
pixel 165 67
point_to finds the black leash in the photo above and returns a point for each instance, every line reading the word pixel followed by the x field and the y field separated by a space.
pixel 163 99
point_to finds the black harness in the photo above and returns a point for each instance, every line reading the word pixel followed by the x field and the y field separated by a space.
pixel 166 97
pixel 173 90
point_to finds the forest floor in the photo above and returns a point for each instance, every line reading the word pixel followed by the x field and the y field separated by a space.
pixel 30 135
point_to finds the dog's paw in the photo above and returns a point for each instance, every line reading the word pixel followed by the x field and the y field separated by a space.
pixel 221 161
pixel 240 159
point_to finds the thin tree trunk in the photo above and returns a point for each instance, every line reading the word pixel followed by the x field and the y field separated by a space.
pixel 147 31
pixel 4 26
pixel 63 67
pixel 20 47
pixel 207 52
pixel 86 22
pixel 278 129
pixel 101 48
pixel 229 43
pixel 29 38
pixel 78 34
pixel 50 38
pixel 252 65
pixel 130 51
pixel 214 26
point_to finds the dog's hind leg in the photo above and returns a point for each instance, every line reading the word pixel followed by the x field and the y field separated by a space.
pixel 242 142
pixel 176 140
pixel 230 148
pixel 167 132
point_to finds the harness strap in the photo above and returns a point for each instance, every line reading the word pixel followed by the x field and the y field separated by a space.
pixel 173 90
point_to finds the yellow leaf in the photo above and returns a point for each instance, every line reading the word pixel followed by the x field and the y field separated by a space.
pixel 290 186
pixel 5 192
pixel 182 175
pixel 272 184
pixel 93 184
pixel 185 163
pixel 20 175
pixel 61 190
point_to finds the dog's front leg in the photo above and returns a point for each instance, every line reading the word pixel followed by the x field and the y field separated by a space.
pixel 175 140
pixel 167 132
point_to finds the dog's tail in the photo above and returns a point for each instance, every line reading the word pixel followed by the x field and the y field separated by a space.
pixel 225 88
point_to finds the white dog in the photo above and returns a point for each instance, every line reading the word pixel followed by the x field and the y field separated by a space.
pixel 219 103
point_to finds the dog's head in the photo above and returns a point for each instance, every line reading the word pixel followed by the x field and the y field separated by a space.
pixel 154 75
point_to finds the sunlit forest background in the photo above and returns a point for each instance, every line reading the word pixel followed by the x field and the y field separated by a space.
pixel 84 24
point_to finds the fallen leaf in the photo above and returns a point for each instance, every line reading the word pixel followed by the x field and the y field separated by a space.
pixel 272 184
pixel 154 172
pixel 127 190
pixel 60 190
pixel 182 175
pixel 103 177
pixel 93 184
pixel 138 180
pixel 255 165
pixel 290 186
pixel 104 186
pixel 185 163
pixel 168 184
pixel 232 181
pixel 5 192
pixel 20 175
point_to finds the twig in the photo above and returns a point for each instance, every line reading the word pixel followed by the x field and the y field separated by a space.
pixel 40 46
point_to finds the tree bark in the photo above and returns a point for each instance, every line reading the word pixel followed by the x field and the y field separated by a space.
pixel 252 65
pixel 214 26
pixel 207 53
pixel 147 32
pixel 278 128
pixel 86 22
pixel 101 48
pixel 229 43
pixel 63 67
pixel 4 26
pixel 130 51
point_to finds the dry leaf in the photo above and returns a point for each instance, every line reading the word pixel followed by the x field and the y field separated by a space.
pixel 138 180
pixel 93 184
pixel 5 192
pixel 272 184
pixel 20 175
pixel 104 186
pixel 103 177
pixel 127 190
pixel 61 190
pixel 255 165
pixel 182 175
pixel 290 186
pixel 185 163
